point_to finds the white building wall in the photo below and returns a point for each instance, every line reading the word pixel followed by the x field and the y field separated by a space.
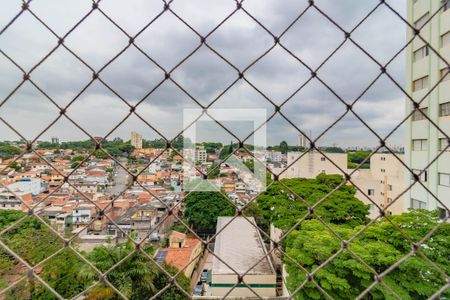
pixel 430 66
pixel 313 163
pixel 383 183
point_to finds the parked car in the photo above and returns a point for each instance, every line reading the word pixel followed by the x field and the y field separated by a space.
pixel 204 276
pixel 198 290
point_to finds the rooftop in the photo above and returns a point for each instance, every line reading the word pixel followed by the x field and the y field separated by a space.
pixel 240 246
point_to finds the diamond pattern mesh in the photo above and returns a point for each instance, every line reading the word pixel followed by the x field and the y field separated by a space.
pixel 203 42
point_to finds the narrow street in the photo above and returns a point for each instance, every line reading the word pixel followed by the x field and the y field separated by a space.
pixel 120 178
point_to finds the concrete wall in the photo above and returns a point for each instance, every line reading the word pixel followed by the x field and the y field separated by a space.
pixel 263 285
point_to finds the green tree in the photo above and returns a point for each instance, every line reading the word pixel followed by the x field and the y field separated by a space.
pixel 284 204
pixel 15 166
pixel 211 147
pixel 203 209
pixel 332 149
pixel 180 142
pixel 61 272
pixel 213 171
pixel 100 154
pixel 77 158
pixel 173 293
pixel 134 277
pixel 253 210
pixel 157 143
pixel 47 145
pixel 284 147
pixel 7 151
pixel 379 246
pixel 357 157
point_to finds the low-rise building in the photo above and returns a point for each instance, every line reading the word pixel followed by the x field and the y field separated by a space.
pixel 240 187
pixel 274 156
pixel 240 246
pixel 183 252
pixel 139 218
pixel 33 186
pixel 82 214
pixel 13 201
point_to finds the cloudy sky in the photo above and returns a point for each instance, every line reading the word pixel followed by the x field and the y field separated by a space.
pixel 204 75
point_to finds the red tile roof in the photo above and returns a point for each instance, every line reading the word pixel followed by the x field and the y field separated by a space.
pixel 180 257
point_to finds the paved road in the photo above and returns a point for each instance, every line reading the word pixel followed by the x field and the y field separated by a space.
pixel 121 179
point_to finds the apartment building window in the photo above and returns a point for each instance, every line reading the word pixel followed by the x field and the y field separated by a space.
pixel 419 84
pixel 444 179
pixel 383 170
pixel 389 200
pixel 382 158
pixel 322 158
pixel 422 21
pixel 421 53
pixel 420 145
pixel 419 114
pixel 443 143
pixel 390 187
pixel 445 75
pixel 444 109
pixel 417 204
pixel 370 192
pixel 445 39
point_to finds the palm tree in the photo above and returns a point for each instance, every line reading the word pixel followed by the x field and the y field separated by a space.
pixel 134 277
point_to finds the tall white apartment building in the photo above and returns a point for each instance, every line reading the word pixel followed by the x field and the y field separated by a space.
pixel 136 140
pixel 424 141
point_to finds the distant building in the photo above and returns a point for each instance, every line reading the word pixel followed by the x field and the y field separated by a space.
pixel 33 186
pixel 139 219
pixel 55 140
pixel 136 140
pixel 14 201
pixel 313 163
pixel 302 141
pixel 383 183
pixel 82 214
pixel 200 156
pixel 228 185
pixel 424 140
pixel 183 252
pixel 274 156
pixel 240 246
pixel 240 187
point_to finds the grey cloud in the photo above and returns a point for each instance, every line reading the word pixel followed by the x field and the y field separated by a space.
pixel 205 75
